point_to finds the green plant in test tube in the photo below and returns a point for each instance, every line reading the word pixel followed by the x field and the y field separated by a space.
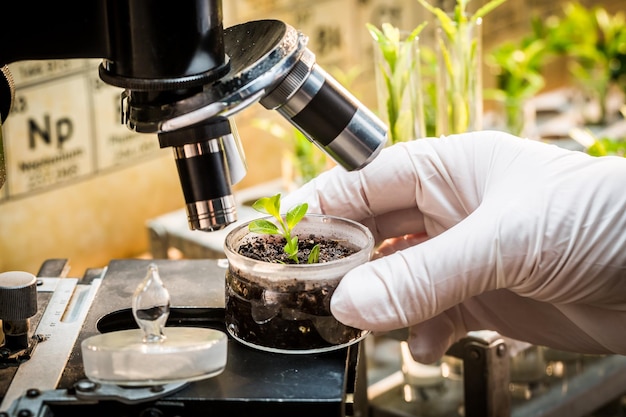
pixel 459 41
pixel 398 77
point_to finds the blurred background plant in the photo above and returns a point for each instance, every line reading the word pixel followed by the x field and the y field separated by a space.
pixel 607 146
pixel 603 143
pixel 302 159
pixel 517 67
pixel 594 43
pixel 428 69
pixel 398 81
pixel 600 145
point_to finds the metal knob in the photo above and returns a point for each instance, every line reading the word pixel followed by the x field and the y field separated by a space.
pixel 7 92
pixel 18 295
pixel 18 303
pixel 7 96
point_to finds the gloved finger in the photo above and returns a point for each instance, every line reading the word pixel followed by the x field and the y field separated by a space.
pixel 396 224
pixel 362 200
pixel 385 184
pixel 422 281
pixel 441 177
pixel 389 246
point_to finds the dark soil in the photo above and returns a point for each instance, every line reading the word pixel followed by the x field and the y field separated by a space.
pixel 296 320
pixel 270 249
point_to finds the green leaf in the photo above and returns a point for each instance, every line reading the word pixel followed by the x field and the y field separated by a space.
pixel 446 57
pixel 608 146
pixel 260 204
pixel 291 249
pixel 263 226
pixel 404 124
pixel 460 17
pixel 274 209
pixel 446 22
pixel 416 32
pixel 314 255
pixel 487 8
pixel 375 32
pixel 268 205
pixel 296 214
pixel 391 32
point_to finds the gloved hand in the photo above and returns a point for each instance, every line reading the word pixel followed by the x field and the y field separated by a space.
pixel 517 236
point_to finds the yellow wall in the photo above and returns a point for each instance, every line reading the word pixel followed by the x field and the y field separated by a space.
pixel 101 213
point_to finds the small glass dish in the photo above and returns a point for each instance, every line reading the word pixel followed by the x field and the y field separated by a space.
pixel 186 354
pixel 285 308
pixel 154 354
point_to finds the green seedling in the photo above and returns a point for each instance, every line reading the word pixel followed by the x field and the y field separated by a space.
pixel 286 224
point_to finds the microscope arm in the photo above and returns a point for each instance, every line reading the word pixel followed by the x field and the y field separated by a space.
pixel 53 30
pixel 48 30
pixel 146 46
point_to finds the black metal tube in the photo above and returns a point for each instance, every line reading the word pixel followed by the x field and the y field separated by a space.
pixel 138 39
pixel 328 114
pixel 204 172
pixel 203 176
pixel 53 30
pixel 320 123
pixel 161 39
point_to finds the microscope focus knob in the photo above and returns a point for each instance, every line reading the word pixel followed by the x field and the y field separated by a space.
pixel 7 93
pixel 18 295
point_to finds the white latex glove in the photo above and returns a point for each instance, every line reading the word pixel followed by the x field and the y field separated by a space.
pixel 523 238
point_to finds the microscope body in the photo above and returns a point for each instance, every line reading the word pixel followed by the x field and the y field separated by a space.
pixel 184 76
